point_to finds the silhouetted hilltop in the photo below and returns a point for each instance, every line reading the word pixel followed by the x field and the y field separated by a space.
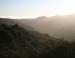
pixel 7 21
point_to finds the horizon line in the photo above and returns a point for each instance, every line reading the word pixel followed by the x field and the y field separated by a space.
pixel 29 17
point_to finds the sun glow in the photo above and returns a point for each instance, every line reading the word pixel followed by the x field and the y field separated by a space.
pixel 67 7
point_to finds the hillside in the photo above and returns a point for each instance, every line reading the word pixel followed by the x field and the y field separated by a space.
pixel 18 42
pixel 56 26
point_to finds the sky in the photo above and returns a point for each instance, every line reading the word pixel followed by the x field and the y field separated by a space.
pixel 35 8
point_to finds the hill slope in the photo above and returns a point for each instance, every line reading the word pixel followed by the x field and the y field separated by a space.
pixel 56 26
pixel 18 42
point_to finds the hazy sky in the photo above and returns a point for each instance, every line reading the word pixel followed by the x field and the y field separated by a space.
pixel 35 8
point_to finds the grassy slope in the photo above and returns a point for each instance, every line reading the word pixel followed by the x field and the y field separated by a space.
pixel 16 42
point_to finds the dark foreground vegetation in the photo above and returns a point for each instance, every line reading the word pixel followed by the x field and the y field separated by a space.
pixel 17 42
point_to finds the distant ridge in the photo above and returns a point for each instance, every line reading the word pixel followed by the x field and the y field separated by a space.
pixel 55 26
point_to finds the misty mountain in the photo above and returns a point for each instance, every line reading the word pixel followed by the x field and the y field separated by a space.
pixel 19 42
pixel 56 26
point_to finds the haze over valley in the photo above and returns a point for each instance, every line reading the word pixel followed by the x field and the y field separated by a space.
pixel 56 26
